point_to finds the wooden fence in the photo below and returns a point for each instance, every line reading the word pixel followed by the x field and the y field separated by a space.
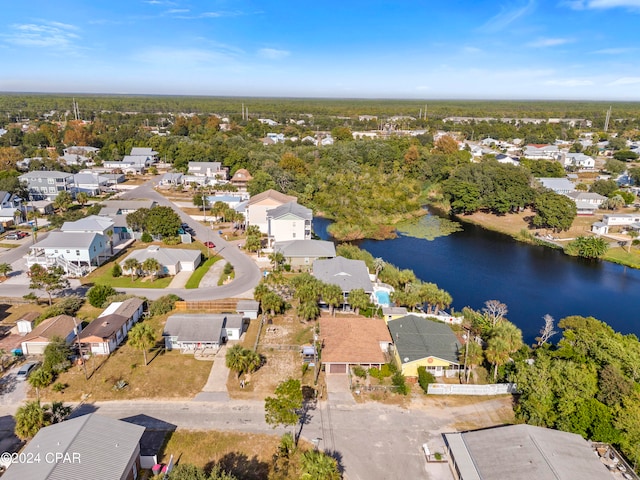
pixel 209 306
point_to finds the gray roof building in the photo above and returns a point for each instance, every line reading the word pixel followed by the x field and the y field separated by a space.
pixel 347 274
pixel 68 240
pixel 93 447
pixel 145 151
pixel 558 185
pixel 416 338
pixel 523 452
pixel 192 331
pixel 305 248
pixel 291 208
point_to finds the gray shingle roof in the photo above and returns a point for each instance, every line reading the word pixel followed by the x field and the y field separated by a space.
pixel 347 274
pixel 306 248
pixel 196 327
pixel 416 338
pixel 45 174
pixel 523 452
pixel 290 208
pixel 68 240
pixel 104 447
pixel 166 256
pixel 91 223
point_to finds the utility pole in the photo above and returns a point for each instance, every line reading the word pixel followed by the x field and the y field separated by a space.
pixel 84 366
pixel 466 353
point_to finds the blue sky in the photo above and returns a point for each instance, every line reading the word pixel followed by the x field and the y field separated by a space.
pixel 422 49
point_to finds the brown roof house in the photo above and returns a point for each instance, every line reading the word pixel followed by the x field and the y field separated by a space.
pixel 241 178
pixel 105 333
pixel 353 341
pixel 62 326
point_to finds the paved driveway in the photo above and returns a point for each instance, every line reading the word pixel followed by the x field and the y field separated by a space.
pixel 12 391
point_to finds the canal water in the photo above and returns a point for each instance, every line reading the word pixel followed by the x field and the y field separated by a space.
pixel 475 265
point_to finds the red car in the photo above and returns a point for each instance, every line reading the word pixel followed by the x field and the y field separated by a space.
pixel 209 245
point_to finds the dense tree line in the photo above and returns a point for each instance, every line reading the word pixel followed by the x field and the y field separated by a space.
pixel 589 383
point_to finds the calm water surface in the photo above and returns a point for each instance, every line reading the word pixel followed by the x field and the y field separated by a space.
pixel 475 265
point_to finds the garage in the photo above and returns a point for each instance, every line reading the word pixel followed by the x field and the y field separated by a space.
pixel 338 368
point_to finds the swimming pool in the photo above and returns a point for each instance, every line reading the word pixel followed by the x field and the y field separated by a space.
pixel 383 298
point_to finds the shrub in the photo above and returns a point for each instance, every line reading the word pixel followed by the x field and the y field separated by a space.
pixel 359 372
pixel 400 383
pixel 163 305
pixel 425 378
pixel 375 373
pixel 59 386
pixel 305 367
pixel 98 294
pixel 385 371
pixel 228 268
pixel 120 297
pixel 146 237
pixel 68 306
pixel 171 240
pixel 116 270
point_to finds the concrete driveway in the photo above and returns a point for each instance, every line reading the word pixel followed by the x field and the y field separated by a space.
pixel 12 391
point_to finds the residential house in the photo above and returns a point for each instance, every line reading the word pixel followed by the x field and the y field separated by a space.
pixel 587 202
pixel 628 221
pixel 258 205
pixel 12 210
pixel 201 332
pixel 231 201
pixel 541 152
pixel 63 326
pixel 104 334
pixel 144 152
pixel 45 185
pixel 171 179
pixel 347 274
pixel 90 446
pixel 172 260
pixel 391 313
pixel 268 121
pixel 91 224
pixel 76 252
pixel 347 342
pixel 241 178
pixel 579 160
pixel 75 159
pixel 502 158
pixel 130 164
pixel 80 150
pixel 558 185
pixel 302 253
pixel 290 221
pixel 523 452
pixel 211 170
pixel 124 207
pixel 420 342
pixel 91 183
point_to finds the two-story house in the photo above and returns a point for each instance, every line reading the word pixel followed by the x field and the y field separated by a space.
pixel 212 170
pixel 258 205
pixel 45 185
pixel 290 221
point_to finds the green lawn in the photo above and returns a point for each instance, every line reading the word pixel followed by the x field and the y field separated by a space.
pixel 621 256
pixel 103 276
pixel 194 280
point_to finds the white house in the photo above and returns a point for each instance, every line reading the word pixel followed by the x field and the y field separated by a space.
pixel 76 252
pixel 103 335
pixel 45 185
pixel 173 260
pixel 91 183
pixel 544 152
pixel 625 220
pixel 586 202
pixel 290 221
pixel 579 160
pixel 200 332
pixel 558 185
pixel 210 170
pixel 90 224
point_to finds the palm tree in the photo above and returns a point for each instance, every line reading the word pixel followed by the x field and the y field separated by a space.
pixel 41 378
pixel 332 296
pixel 471 355
pixel 272 302
pixel 30 418
pixel 152 266
pixel 242 360
pixel 358 299
pixel 132 265
pixel 82 198
pixel 142 337
pixel 318 465
pixel 497 353
pixel 276 259
pixel 5 270
pixel 308 310
pixel 378 265
pixel 505 339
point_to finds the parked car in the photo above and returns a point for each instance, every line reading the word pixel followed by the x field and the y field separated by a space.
pixel 26 370
pixel 16 235
pixel 209 244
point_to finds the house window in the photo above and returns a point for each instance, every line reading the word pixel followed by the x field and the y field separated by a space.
pixel 94 248
pixel 52 189
pixel 78 252
pixel 293 235
pixel 50 180
pixel 68 251
pixel 56 251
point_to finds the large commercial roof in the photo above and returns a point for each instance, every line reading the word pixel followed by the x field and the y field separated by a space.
pixel 524 452
pixel 102 448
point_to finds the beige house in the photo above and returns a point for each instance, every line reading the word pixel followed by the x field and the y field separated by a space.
pixel 62 326
pixel 258 205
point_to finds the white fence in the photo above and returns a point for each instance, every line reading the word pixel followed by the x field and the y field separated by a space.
pixel 441 317
pixel 493 389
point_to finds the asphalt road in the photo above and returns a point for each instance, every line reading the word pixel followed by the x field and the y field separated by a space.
pixel 247 273
pixel 371 441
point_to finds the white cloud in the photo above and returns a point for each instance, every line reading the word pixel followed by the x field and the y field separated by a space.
pixel 507 17
pixel 602 4
pixel 570 82
pixel 548 42
pixel 52 35
pixel 273 54
pixel 471 49
pixel 625 81
pixel 193 57
pixel 614 51
pixel 177 10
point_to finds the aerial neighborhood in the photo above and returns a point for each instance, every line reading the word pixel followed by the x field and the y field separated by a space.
pixel 209 279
